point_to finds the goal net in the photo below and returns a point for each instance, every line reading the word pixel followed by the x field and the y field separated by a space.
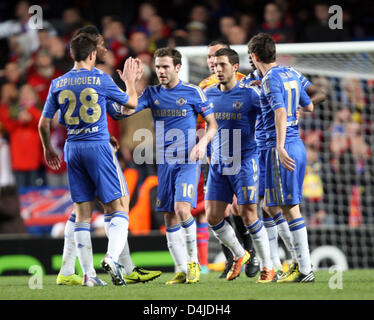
pixel 339 137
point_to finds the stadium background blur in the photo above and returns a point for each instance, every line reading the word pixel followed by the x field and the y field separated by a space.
pixel 338 136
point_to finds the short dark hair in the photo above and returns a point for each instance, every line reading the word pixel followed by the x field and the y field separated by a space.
pixel 169 52
pixel 263 45
pixel 222 42
pixel 91 29
pixel 82 45
pixel 231 54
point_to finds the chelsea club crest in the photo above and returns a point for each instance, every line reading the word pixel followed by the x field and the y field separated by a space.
pixel 181 101
pixel 237 105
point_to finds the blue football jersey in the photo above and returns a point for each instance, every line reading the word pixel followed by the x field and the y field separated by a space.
pixel 175 116
pixel 81 96
pixel 235 111
pixel 281 88
pixel 260 132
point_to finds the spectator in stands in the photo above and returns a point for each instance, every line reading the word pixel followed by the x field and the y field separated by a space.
pixel 139 42
pixel 237 35
pixel 43 74
pixel 21 123
pixel 12 74
pixel 159 33
pixel 319 30
pixel 60 56
pixel 71 21
pixel 225 24
pixel 248 23
pixel 196 33
pixel 274 24
pixel 145 12
pixel 10 219
pixel 114 35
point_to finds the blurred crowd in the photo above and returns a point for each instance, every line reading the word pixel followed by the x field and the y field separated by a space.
pixel 31 58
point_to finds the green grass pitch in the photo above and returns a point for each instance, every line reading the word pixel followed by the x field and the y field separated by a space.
pixel 352 285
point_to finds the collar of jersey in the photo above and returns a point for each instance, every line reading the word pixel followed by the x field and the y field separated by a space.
pixel 226 92
pixel 179 83
pixel 80 69
pixel 272 68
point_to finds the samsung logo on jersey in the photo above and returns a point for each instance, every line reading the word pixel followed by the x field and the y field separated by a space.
pixel 78 81
pixel 169 113
pixel 227 115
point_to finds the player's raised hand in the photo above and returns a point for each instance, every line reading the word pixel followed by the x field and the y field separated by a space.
pixel 286 160
pixel 140 69
pixel 129 72
pixel 52 159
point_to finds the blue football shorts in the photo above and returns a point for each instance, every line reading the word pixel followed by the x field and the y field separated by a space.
pixel 221 187
pixel 177 183
pixel 261 172
pixel 283 187
pixel 94 170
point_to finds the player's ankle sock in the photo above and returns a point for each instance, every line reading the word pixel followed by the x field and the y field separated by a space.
pixel 226 234
pixel 243 233
pixel 117 234
pixel 189 227
pixel 261 243
pixel 272 232
pixel 300 237
pixel 125 260
pixel 82 237
pixel 176 245
pixel 202 234
pixel 285 234
pixel 69 253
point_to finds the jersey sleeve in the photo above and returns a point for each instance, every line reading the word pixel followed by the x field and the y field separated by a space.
pixel 202 105
pixel 144 100
pixel 51 106
pixel 113 92
pixel 114 110
pixel 274 92
pixel 305 83
pixel 255 94
pixel 304 98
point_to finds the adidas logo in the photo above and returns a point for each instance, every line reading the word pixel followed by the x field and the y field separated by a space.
pixel 80 246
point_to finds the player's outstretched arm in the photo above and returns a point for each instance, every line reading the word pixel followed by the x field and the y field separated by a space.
pixel 280 118
pixel 50 155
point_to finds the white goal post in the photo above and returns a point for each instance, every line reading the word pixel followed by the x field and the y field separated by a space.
pixel 358 66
